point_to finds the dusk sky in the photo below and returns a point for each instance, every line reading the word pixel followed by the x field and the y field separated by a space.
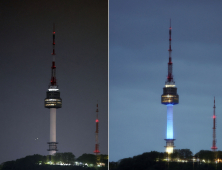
pixel 81 49
pixel 138 57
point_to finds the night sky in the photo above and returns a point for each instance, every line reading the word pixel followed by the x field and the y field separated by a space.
pixel 25 71
pixel 138 57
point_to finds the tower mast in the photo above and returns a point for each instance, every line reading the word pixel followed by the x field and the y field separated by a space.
pixel 53 102
pixel 170 64
pixel 170 98
pixel 96 151
pixel 214 147
pixel 53 74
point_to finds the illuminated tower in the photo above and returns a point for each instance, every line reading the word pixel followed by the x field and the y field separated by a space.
pixel 170 98
pixel 214 147
pixel 96 151
pixel 53 102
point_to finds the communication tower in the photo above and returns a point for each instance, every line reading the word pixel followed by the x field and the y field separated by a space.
pixel 53 102
pixel 214 147
pixel 96 151
pixel 170 98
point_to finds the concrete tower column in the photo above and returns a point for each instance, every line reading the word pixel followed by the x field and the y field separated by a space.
pixel 52 128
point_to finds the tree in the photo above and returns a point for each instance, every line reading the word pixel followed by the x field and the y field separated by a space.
pixel 68 158
pixel 56 158
pixel 126 164
pixel 206 155
pixel 181 154
pixel 87 158
pixel 113 165
pixel 8 165
pixel 103 159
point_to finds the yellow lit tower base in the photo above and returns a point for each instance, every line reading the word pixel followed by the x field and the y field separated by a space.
pixel 170 98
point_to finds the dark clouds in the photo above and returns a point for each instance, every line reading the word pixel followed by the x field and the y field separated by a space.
pixel 140 23
pixel 138 69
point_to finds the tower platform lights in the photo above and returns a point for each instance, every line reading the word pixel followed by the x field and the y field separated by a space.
pixel 53 102
pixel 170 98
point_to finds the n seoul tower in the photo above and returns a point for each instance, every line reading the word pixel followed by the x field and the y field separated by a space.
pixel 53 102
pixel 170 98
pixel 96 151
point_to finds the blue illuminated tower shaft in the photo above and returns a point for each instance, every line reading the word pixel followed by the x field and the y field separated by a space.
pixel 169 137
pixel 169 121
pixel 170 98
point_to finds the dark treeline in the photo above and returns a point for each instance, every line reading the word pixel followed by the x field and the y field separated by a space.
pixel 37 162
pixel 182 159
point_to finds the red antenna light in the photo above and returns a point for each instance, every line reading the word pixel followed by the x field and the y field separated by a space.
pixel 214 147
pixel 96 151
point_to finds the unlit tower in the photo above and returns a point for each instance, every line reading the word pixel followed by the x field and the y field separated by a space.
pixel 96 151
pixel 214 147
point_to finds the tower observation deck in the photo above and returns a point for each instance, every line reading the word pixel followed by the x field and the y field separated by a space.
pixel 53 102
pixel 170 98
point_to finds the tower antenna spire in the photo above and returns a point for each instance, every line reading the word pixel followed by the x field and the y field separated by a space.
pixel 53 75
pixel 214 147
pixel 53 37
pixel 170 64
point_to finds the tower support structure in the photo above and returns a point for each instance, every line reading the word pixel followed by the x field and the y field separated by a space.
pixel 214 147
pixel 170 98
pixel 96 151
pixel 53 102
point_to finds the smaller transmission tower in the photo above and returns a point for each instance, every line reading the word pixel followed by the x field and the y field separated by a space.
pixel 214 147
pixel 96 151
